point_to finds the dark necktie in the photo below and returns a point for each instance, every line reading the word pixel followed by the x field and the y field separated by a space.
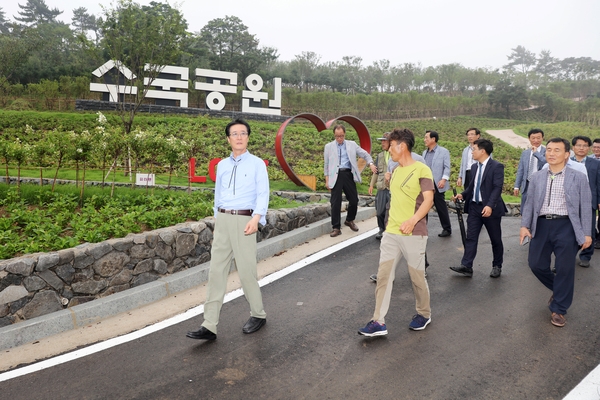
pixel 478 186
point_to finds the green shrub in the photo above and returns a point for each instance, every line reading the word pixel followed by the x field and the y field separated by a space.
pixel 37 219
pixel 20 105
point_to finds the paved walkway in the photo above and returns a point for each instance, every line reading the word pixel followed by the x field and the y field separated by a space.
pixel 115 325
pixel 489 339
pixel 508 136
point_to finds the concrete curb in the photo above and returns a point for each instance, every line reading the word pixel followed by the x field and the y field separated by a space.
pixel 94 311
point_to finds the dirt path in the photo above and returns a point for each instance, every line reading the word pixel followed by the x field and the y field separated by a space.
pixel 508 136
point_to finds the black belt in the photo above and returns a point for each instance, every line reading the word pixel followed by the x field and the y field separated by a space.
pixel 477 202
pixel 344 169
pixel 236 212
pixel 553 216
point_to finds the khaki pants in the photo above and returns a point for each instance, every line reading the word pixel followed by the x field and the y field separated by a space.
pixel 229 241
pixel 393 248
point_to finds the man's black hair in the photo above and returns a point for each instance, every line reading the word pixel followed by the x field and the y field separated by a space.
pixel 584 138
pixel 403 135
pixel 560 140
pixel 434 135
pixel 238 121
pixel 535 130
pixel 485 145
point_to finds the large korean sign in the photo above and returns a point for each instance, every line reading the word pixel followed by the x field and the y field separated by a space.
pixel 171 87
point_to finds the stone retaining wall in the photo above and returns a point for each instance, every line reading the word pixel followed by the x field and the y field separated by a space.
pixel 38 284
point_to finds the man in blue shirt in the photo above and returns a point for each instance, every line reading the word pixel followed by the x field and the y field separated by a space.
pixel 241 202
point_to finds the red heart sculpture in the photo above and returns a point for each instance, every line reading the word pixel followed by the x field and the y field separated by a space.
pixel 363 137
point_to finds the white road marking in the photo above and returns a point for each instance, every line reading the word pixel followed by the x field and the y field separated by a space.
pixel 192 312
pixel 588 388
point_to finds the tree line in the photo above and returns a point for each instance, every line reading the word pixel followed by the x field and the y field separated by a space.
pixel 36 49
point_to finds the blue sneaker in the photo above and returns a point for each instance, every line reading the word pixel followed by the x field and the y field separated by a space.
pixel 419 322
pixel 373 328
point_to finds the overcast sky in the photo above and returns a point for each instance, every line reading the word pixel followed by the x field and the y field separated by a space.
pixel 474 33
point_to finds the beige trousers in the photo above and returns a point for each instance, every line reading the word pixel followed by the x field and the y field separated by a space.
pixel 393 248
pixel 229 241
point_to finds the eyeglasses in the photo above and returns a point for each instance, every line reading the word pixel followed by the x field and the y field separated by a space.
pixel 238 134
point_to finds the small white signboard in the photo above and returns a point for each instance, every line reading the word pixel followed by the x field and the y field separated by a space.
pixel 144 179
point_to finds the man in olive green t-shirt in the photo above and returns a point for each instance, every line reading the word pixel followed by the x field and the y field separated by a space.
pixel 412 189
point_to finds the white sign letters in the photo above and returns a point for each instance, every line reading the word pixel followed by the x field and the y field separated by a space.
pixel 171 86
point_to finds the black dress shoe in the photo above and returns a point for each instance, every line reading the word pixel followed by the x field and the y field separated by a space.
pixel 445 233
pixel 254 324
pixel 463 270
pixel 496 271
pixel 202 333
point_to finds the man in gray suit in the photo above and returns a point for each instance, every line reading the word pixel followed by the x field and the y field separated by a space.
pixel 581 147
pixel 438 159
pixel 532 160
pixel 557 217
pixel 341 173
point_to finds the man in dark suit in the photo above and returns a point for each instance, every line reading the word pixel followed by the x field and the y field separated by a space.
pixel 581 147
pixel 485 206
pixel 557 219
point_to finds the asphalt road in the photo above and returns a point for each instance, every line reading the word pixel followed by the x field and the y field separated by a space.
pixel 489 339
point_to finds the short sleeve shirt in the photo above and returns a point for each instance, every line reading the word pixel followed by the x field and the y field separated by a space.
pixel 406 187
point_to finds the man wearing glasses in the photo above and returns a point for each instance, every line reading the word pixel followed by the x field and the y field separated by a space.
pixel 405 235
pixel 484 204
pixel 241 202
pixel 341 173
pixel 581 147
